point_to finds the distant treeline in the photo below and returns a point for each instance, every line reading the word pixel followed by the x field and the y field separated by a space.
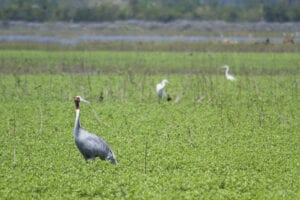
pixel 157 10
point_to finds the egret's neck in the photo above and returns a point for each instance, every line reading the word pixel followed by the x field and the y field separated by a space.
pixel 77 119
pixel 227 70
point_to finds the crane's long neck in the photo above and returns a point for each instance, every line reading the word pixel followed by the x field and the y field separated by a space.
pixel 77 121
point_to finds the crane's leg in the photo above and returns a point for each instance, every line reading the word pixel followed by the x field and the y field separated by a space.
pixel 86 160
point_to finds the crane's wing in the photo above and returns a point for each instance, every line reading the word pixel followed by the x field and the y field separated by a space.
pixel 90 144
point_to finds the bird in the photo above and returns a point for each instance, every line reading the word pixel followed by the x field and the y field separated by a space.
pixel 90 145
pixel 228 76
pixel 200 99
pixel 178 98
pixel 160 88
pixel 169 98
pixel 101 98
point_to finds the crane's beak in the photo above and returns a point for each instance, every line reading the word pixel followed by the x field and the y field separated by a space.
pixel 83 100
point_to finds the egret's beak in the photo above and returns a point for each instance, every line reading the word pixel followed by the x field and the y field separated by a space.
pixel 225 66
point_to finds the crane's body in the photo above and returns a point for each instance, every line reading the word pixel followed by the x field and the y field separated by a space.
pixel 228 76
pixel 90 145
pixel 160 88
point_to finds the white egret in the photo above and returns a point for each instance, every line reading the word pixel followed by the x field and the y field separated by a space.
pixel 228 76
pixel 160 88
pixel 90 145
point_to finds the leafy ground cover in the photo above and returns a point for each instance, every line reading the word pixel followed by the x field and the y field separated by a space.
pixel 223 140
pixel 103 62
pixel 225 46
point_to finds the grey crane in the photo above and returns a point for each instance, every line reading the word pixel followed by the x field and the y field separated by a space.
pixel 90 145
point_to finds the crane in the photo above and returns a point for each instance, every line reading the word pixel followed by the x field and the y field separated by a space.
pixel 90 145
pixel 160 88
pixel 228 76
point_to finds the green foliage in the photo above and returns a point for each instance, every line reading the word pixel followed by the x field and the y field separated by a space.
pixel 241 141
pixel 166 10
pixel 102 62
pixel 188 47
pixel 281 13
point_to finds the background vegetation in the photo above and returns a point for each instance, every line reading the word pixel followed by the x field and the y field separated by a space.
pixel 222 140
pixel 156 10
pixel 103 62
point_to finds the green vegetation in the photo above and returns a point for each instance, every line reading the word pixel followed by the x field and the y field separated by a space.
pixel 156 46
pixel 241 141
pixel 157 10
pixel 102 62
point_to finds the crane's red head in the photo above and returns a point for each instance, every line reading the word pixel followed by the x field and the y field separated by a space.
pixel 77 100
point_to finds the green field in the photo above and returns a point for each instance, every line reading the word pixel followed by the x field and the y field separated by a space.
pixel 223 140
pixel 145 63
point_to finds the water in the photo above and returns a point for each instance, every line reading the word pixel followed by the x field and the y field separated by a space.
pixel 130 38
